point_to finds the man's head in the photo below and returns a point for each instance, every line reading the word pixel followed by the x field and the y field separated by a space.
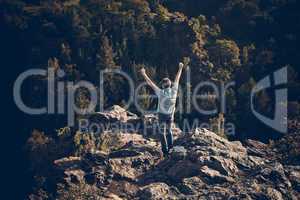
pixel 166 83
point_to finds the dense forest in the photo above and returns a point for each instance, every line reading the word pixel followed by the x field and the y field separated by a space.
pixel 221 40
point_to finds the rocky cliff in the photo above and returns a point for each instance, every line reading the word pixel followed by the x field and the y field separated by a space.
pixel 202 165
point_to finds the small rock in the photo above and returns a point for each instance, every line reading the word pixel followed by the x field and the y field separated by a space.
pixel 178 153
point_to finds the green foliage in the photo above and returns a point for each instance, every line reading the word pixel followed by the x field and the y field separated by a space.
pixel 84 143
pixel 89 142
pixel 105 56
pixel 221 38
pixel 225 53
pixel 63 131
pixel 163 13
pixel 109 142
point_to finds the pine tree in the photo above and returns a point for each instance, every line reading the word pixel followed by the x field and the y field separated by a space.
pixel 105 55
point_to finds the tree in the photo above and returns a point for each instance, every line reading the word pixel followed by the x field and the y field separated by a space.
pixel 225 57
pixel 105 55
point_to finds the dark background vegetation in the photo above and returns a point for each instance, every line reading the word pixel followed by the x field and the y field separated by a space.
pixel 224 40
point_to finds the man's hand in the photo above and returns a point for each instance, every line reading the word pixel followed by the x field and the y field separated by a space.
pixel 143 71
pixel 181 65
pixel 178 75
pixel 148 80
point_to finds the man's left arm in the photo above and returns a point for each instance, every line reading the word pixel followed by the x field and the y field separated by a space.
pixel 178 75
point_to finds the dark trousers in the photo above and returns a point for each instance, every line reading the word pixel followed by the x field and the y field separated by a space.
pixel 166 135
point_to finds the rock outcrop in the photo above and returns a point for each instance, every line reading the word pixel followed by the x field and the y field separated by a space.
pixel 114 114
pixel 202 165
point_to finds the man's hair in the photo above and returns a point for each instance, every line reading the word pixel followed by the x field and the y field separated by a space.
pixel 166 83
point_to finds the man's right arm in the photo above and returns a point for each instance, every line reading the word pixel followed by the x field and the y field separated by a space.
pixel 149 81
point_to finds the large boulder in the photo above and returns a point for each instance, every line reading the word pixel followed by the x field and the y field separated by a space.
pixel 203 138
pixel 202 142
pixel 208 148
pixel 114 114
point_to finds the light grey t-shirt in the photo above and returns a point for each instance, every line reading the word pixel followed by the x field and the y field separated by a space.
pixel 167 100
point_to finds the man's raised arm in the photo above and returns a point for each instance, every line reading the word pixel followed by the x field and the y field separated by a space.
pixel 148 80
pixel 178 75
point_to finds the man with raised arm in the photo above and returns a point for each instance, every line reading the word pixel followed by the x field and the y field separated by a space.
pixel 167 95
